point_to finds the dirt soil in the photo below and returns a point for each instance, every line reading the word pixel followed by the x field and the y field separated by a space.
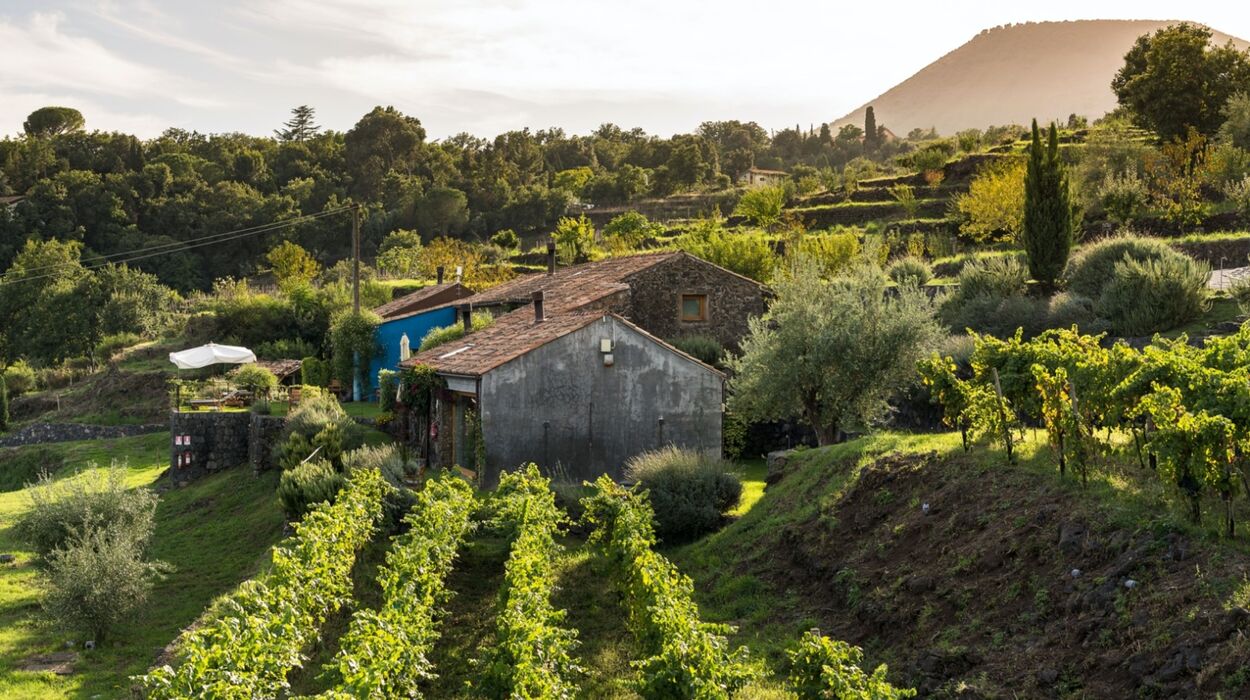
pixel 972 582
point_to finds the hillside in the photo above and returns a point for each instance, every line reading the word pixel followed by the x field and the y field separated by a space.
pixel 1010 74
pixel 974 578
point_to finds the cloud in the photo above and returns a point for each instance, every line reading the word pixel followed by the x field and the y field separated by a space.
pixel 40 54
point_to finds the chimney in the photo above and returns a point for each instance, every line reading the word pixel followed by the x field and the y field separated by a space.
pixel 551 257
pixel 438 271
pixel 466 317
pixel 539 314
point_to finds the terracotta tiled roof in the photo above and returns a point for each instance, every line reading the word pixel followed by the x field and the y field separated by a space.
pixel 515 334
pixel 509 337
pixel 574 286
pixel 421 300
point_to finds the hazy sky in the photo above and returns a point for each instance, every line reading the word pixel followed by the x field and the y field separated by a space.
pixel 486 66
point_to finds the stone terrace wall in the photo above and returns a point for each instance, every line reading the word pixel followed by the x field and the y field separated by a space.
pixel 264 433
pixel 38 433
pixel 204 443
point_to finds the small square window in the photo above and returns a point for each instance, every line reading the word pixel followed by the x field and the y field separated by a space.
pixel 694 307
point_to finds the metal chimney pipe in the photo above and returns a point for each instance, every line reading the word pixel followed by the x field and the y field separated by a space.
pixel 539 312
pixel 466 317
pixel 438 271
pixel 551 257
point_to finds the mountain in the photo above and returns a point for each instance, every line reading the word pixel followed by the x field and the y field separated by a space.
pixel 1010 74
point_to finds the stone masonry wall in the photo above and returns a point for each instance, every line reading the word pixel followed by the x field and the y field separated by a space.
pixel 655 303
pixel 204 443
pixel 39 433
pixel 263 433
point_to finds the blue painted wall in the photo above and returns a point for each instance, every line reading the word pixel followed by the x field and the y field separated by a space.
pixel 390 332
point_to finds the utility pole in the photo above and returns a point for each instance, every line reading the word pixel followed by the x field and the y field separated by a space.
pixel 356 259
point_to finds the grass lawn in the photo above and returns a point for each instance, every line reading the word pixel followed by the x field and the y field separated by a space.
pixel 216 533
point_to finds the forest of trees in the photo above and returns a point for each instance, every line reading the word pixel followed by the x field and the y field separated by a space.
pixel 115 193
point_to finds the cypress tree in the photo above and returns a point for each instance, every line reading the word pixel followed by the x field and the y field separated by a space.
pixel 4 405
pixel 870 130
pixel 1048 220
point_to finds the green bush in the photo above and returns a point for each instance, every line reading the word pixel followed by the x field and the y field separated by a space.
pixel 1240 292
pixel 825 668
pixel 690 491
pixel 834 252
pixel 704 348
pixel 318 425
pixel 998 316
pixel 388 459
pixel 455 331
pixel 998 276
pixel 110 344
pixel 305 485
pixel 1094 265
pixel 1068 309
pixel 910 268
pixel 388 384
pixel 19 377
pixel 96 499
pixel 259 380
pixel 261 407
pixel 99 579
pixel 1151 296
pixel 314 372
pixel 630 229
pixel 506 239
pixel 1124 197
pixel 747 254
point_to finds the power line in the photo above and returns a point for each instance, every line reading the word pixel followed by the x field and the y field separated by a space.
pixel 179 247
pixel 260 228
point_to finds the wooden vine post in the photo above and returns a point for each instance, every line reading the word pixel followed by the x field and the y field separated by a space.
pixel 1078 444
pixel 1002 417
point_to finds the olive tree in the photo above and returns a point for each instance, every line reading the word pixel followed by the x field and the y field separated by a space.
pixel 832 353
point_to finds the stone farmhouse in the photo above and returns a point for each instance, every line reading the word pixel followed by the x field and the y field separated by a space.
pixel 575 375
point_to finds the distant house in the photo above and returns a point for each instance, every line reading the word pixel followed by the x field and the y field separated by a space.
pixel 412 316
pixel 575 374
pixel 669 294
pixel 577 392
pixel 758 177
pixel 10 202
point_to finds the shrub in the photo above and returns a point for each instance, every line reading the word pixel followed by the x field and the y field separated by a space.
pixel 455 331
pixel 19 377
pixel 305 485
pixel 96 499
pixel 999 316
pixel 747 254
pixel 910 268
pixel 1238 195
pixel 98 579
pixel 993 206
pixel 998 276
pixel 259 380
pixel 704 348
pixel 353 343
pixel 387 459
pixel 834 252
pixel 388 384
pixel 313 414
pixel 314 372
pixel 1124 197
pixel 690 491
pixel 574 238
pixel 1150 296
pixel 630 229
pixel 762 206
pixel 1240 292
pixel 110 344
pixel 1093 267
pixel 261 407
pixel 506 239
pixel 1068 309
pixel 318 425
pixel 824 668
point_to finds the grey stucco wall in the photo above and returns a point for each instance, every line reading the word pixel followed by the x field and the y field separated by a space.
pixel 561 407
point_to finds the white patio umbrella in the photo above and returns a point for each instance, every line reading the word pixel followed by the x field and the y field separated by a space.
pixel 405 347
pixel 211 354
